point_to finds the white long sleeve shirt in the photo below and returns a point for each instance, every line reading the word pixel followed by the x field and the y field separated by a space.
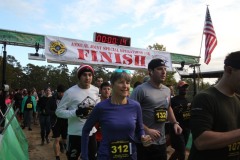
pixel 67 107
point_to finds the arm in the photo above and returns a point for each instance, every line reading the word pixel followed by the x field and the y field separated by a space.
pixel 62 109
pixel 172 119
pixel 51 106
pixel 215 140
pixel 139 124
pixel 23 104
pixel 153 133
pixel 39 105
pixel 34 103
pixel 89 124
pixel 203 121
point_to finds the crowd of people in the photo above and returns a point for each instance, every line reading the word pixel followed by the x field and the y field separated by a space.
pixel 105 121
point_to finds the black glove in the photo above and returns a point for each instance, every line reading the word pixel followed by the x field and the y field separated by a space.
pixel 82 112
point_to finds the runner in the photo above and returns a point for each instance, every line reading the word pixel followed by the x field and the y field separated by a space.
pixel 44 117
pixel 120 119
pixel 75 105
pixel 215 120
pixel 154 98
pixel 181 108
pixel 59 125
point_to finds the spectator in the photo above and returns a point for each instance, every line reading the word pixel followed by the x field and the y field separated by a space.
pixel 18 97
pixel 44 117
pixel 35 116
pixel 28 107
pixel 99 81
pixel 181 108
pixel 59 125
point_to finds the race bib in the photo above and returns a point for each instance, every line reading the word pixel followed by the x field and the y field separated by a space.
pixel 29 105
pixel 234 150
pixel 183 112
pixel 120 149
pixel 186 115
pixel 160 115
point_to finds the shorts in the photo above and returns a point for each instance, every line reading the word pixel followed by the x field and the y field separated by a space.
pixel 60 128
pixel 74 147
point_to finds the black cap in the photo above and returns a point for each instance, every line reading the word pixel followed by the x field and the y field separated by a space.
pixel 156 63
pixel 60 88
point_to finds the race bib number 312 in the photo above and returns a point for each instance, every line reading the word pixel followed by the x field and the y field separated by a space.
pixel 120 149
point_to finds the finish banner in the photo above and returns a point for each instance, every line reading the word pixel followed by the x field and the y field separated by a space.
pixel 73 51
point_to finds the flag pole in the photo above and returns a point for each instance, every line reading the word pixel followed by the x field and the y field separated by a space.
pixel 202 35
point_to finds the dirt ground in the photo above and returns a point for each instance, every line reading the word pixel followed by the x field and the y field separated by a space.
pixel 45 152
pixel 38 151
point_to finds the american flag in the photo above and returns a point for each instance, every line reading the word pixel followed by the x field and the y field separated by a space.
pixel 210 37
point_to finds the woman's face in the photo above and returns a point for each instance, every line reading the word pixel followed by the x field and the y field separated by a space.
pixel 121 88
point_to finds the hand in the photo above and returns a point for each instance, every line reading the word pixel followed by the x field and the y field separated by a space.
pixel 146 140
pixel 177 128
pixel 154 134
pixel 83 112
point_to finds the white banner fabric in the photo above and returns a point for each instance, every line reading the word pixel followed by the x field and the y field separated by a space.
pixel 73 51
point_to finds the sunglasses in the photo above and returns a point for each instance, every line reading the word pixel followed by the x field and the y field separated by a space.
pixel 122 70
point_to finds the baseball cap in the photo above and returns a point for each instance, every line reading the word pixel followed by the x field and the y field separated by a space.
pixel 156 63
pixel 84 68
pixel 182 84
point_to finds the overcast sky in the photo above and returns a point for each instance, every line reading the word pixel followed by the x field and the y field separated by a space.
pixel 177 24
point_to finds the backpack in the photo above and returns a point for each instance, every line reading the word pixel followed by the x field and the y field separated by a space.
pixel 29 103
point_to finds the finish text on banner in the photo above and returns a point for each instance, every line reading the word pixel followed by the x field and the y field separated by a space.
pixel 72 51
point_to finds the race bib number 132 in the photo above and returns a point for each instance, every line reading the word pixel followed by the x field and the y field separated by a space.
pixel 160 115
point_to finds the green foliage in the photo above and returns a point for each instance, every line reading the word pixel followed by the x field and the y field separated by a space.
pixel 102 72
pixel 170 75
pixel 200 85
pixel 157 46
pixel 138 75
pixel 41 77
